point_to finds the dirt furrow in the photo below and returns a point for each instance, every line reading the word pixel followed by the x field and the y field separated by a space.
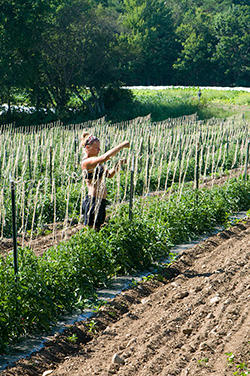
pixel 184 326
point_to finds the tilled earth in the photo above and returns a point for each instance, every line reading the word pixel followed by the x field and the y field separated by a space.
pixel 185 323
pixel 40 244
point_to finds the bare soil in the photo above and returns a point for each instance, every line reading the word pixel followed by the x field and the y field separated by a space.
pixel 181 324
pixel 39 244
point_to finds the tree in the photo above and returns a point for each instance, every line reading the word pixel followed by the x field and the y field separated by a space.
pixel 79 51
pixel 20 30
pixel 233 45
pixel 184 9
pixel 194 65
pixel 150 34
pixel 52 49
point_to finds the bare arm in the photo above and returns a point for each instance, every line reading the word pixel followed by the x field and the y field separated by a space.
pixel 113 171
pixel 92 162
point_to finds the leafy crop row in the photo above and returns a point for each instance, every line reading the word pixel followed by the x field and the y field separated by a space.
pixel 66 277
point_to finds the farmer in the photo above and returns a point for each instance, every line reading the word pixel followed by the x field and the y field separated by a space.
pixel 93 207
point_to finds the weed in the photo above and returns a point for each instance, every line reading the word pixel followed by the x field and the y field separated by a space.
pixel 241 368
pixel 148 278
pixel 134 282
pixel 72 339
pixel 204 360
pixel 112 313
pixel 159 277
pixel 92 329
pixel 100 304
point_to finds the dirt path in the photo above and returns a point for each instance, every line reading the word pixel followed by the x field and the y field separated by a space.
pixel 182 325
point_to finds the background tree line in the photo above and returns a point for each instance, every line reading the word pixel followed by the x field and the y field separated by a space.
pixel 87 49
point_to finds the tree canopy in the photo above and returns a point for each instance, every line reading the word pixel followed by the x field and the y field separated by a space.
pixel 53 50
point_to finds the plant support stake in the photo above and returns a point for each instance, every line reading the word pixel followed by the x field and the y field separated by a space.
pixel 76 160
pixel 50 166
pixel 29 161
pixel 13 201
pixel 148 165
pixel 197 172
pixel 246 164
pixel 131 188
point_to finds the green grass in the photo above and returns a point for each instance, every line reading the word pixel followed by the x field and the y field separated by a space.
pixel 161 104
pixel 177 102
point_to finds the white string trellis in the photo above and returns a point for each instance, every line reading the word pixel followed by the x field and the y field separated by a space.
pixel 220 140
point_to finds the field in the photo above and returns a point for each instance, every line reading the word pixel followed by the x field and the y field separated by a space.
pixel 168 154
pixel 183 176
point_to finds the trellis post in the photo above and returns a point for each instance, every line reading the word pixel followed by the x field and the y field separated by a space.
pixel 29 161
pixel 131 188
pixel 197 171
pixel 50 165
pixel 13 201
pixel 246 162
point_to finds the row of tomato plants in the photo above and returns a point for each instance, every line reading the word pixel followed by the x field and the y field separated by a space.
pixel 45 164
pixel 38 203
pixel 66 277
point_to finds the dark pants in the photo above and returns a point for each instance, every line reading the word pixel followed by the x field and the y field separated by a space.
pixel 94 211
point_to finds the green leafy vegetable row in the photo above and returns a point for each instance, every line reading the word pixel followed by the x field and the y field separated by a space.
pixel 66 277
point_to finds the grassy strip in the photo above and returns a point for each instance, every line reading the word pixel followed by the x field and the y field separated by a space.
pixel 66 277
pixel 162 104
pixel 175 102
